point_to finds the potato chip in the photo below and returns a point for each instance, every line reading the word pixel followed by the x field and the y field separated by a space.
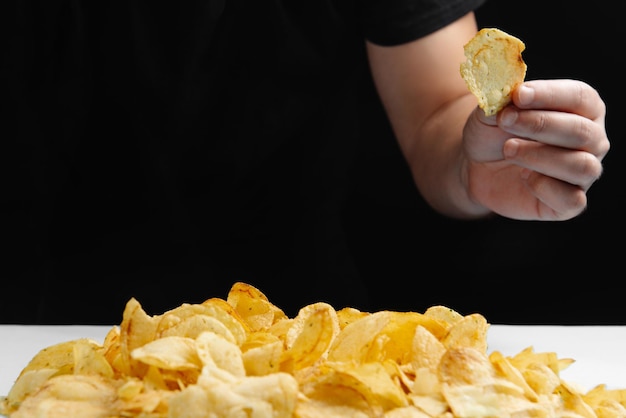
pixel 243 357
pixel 190 320
pixel 333 401
pixel 26 384
pixel 469 331
pixel 574 401
pixel 600 393
pixel 514 375
pixel 406 412
pixel 280 390
pixel 264 359
pixel 214 350
pixel 253 306
pixel 494 68
pixel 540 378
pixel 137 328
pixel 310 335
pixel 381 335
pixel 528 356
pixel 170 353
pixel 479 401
pixel 426 350
pixel 80 356
pixel 90 359
pixel 375 383
pixel 70 396
pixel 430 405
pixel 334 390
pixel 448 315
pixel 58 356
pixel 197 324
pixel 192 402
pixel 348 315
pixel 426 383
pixel 465 366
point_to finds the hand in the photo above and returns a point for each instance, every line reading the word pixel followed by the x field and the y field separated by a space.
pixel 538 157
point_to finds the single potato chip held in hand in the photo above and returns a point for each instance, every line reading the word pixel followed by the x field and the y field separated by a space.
pixel 494 68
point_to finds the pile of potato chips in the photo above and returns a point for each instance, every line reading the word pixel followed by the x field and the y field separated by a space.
pixel 243 357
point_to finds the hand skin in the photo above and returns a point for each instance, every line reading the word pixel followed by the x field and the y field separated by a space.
pixel 534 160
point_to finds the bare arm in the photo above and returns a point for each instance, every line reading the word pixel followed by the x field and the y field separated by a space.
pixel 428 103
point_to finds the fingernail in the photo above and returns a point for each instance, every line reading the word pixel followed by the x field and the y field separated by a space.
pixel 525 95
pixel 509 116
pixel 510 149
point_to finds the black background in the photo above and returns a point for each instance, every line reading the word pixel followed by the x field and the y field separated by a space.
pixel 513 272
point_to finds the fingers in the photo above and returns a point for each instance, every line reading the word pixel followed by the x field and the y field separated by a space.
pixel 571 96
pixel 556 200
pixel 564 113
pixel 578 168
pixel 567 130
pixel 558 131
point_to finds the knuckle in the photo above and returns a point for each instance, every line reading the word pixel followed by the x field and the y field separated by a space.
pixel 577 202
pixel 539 123
pixel 589 166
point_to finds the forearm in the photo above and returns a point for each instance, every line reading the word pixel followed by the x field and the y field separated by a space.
pixel 428 103
pixel 438 164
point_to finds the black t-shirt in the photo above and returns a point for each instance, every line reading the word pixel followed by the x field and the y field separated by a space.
pixel 167 151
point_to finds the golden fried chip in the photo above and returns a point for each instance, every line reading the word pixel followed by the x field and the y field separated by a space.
pixel 573 400
pixel 426 383
pixel 494 68
pixel 381 335
pixel 71 396
pixel 195 325
pixel 253 306
pixel 192 402
pixel 348 315
pixel 111 347
pixel 137 328
pixel 469 331
pixel 264 359
pixel 528 356
pixel 374 381
pixel 311 334
pixel 479 401
pixel 540 378
pixel 406 412
pixel 26 384
pixel 79 356
pixel 600 394
pixel 214 350
pixel 607 403
pixel 426 350
pixel 58 356
pixel 447 315
pixel 170 353
pixel 245 358
pixel 465 366
pixel 280 390
pixel 504 366
pixel 90 359
pixel 334 391
pixel 190 320
pixel 431 405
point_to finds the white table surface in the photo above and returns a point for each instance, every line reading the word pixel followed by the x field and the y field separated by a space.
pixel 599 351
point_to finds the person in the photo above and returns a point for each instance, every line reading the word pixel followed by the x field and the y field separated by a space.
pixel 212 143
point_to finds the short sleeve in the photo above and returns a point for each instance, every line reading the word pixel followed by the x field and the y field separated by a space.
pixel 393 22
